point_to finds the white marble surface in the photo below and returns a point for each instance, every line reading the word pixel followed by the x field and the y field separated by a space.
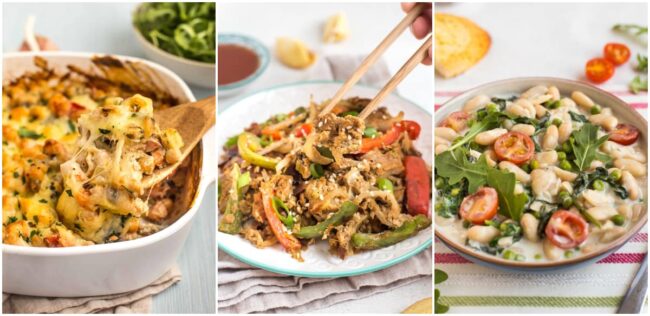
pixel 106 28
pixel 369 23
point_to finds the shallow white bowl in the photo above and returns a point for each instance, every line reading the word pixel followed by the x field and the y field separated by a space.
pixel 508 87
pixel 194 72
pixel 106 268
pixel 258 107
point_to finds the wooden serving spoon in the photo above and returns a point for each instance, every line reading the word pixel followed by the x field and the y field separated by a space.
pixel 192 121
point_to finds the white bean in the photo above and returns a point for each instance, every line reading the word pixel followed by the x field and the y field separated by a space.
pixel 612 234
pixel 440 148
pixel 554 92
pixel 534 92
pixel 625 210
pixel 550 138
pixel 601 213
pixel 608 122
pixel 564 131
pixel 546 158
pixel 520 174
pixel 582 100
pixel 488 137
pixel 540 110
pixel 616 150
pixel 525 129
pixel 446 133
pixel 630 184
pixel 529 225
pixel 566 186
pixel 596 198
pixel 482 234
pixel 490 157
pixel 567 103
pixel 544 183
pixel 636 168
pixel 476 103
pixel 521 107
pixel 551 251
pixel 564 175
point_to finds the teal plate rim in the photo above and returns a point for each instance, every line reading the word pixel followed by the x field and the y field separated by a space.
pixel 377 267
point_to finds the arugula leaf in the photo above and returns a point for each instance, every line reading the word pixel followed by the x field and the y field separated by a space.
pixel 639 84
pixel 585 143
pixel 439 276
pixel 633 29
pixel 455 166
pixel 490 121
pixel 510 204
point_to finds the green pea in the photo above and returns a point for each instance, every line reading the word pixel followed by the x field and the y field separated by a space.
pixel 519 257
pixel 526 168
pixel 568 254
pixel 534 164
pixel 598 185
pixel 440 183
pixel 566 147
pixel 370 132
pixel 385 184
pixel 615 175
pixel 561 155
pixel 509 254
pixel 566 199
pixel 492 108
pixel 538 256
pixel 618 220
pixel 565 164
pixel 595 109
pixel 455 191
pixel 557 122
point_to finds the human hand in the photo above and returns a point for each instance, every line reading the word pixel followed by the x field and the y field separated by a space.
pixel 422 25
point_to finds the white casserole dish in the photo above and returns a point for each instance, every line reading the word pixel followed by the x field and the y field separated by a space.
pixel 106 268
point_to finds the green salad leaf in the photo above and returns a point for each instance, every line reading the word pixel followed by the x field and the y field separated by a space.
pixel 455 166
pixel 184 29
pixel 439 308
pixel 585 144
pixel 510 204
pixel 490 121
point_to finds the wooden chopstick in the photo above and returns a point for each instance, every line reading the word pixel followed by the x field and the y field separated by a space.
pixel 415 60
pixel 374 55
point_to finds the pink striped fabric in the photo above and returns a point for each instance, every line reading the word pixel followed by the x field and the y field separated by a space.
pixel 619 258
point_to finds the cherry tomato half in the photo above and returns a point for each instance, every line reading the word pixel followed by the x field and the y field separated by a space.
pixel 617 53
pixel 412 128
pixel 456 121
pixel 599 70
pixel 515 147
pixel 566 230
pixel 624 134
pixel 303 130
pixel 480 206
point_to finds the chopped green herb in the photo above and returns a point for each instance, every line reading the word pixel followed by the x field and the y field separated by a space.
pixel 25 133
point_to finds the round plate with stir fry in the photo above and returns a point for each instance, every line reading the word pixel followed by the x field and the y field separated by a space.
pixel 322 192
pixel 539 176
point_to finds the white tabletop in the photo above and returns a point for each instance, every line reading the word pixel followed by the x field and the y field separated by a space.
pixel 553 40
pixel 106 28
pixel 369 23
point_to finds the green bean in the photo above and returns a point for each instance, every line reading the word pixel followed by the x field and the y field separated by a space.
pixel 230 221
pixel 346 211
pixel 375 241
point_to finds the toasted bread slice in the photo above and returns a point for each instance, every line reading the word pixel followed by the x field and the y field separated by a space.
pixel 460 44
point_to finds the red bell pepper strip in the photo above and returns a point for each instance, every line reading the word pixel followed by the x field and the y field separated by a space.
pixel 418 186
pixel 391 136
pixel 288 241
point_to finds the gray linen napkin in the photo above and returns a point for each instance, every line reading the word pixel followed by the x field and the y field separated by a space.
pixel 135 302
pixel 246 289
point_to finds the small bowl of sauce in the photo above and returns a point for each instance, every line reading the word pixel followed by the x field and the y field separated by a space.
pixel 241 60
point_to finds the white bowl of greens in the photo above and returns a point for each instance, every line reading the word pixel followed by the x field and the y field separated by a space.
pixel 181 37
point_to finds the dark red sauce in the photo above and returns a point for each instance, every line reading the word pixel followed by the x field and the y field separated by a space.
pixel 235 63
